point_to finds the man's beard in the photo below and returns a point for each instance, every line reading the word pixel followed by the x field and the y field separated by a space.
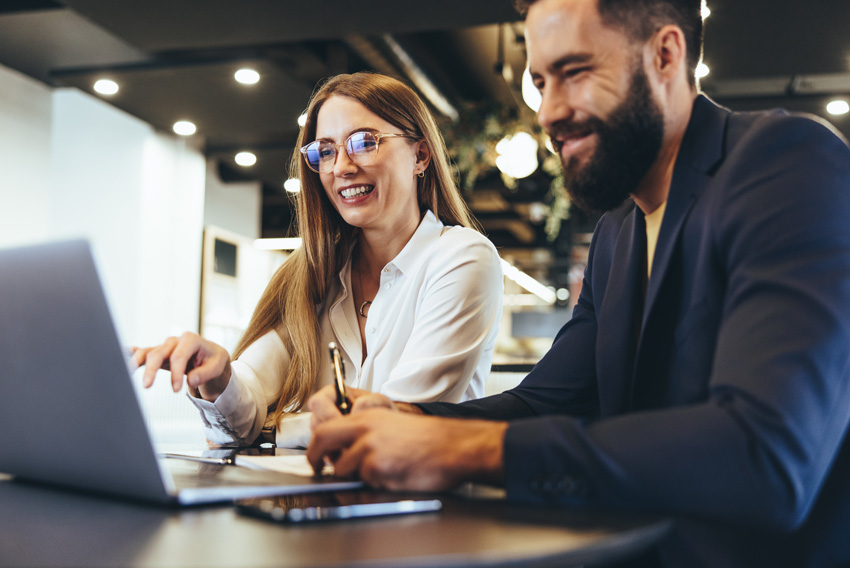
pixel 628 142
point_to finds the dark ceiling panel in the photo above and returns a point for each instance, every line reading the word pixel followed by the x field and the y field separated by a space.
pixel 162 25
pixel 224 111
pixel 10 6
pixel 38 42
pixel 272 166
pixel 763 38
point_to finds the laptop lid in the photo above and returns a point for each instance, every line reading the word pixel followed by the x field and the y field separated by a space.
pixel 69 414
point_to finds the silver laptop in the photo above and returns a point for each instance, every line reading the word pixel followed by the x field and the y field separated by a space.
pixel 69 414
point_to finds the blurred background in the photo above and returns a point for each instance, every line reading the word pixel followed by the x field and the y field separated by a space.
pixel 161 131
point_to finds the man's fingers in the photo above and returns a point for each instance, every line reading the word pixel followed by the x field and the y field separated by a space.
pixel 323 406
pixel 330 438
pixel 372 400
pixel 348 463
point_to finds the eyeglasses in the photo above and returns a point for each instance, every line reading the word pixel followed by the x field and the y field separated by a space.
pixel 361 147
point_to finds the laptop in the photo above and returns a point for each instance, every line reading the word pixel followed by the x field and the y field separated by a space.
pixel 69 413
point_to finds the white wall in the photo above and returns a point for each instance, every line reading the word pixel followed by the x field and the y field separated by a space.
pixel 74 166
pixel 234 207
pixel 138 196
pixel 25 127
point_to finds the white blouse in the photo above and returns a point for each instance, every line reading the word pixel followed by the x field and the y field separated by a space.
pixel 430 334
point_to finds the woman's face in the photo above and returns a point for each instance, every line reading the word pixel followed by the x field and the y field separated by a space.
pixel 382 194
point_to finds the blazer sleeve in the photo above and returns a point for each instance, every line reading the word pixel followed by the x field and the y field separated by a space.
pixel 758 449
pixel 562 382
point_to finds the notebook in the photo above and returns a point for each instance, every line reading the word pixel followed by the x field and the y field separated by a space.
pixel 69 413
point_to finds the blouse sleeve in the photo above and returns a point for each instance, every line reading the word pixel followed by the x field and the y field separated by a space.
pixel 458 314
pixel 238 415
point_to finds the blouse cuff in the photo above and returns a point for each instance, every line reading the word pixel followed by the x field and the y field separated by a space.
pixel 231 418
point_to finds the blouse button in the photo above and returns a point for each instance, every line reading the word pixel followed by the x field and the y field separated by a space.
pixel 371 330
pixel 386 269
pixel 388 286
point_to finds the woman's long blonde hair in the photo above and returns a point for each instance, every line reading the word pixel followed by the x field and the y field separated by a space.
pixel 290 300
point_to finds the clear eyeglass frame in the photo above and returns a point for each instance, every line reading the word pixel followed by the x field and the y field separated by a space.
pixel 361 147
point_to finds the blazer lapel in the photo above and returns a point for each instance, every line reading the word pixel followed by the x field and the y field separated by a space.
pixel 619 318
pixel 702 149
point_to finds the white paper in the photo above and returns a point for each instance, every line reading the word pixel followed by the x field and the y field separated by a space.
pixel 296 464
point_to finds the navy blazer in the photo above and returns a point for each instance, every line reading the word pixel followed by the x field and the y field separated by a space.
pixel 721 396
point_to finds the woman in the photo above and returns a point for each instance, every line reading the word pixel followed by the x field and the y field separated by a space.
pixel 389 270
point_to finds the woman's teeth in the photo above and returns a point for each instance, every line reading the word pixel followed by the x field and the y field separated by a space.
pixel 355 191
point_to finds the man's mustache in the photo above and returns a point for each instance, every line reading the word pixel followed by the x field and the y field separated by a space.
pixel 564 130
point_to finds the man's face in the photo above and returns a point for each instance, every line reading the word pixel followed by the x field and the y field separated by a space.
pixel 597 104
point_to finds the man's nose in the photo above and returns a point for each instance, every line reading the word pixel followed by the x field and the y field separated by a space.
pixel 555 107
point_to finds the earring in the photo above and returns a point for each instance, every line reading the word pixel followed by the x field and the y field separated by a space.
pixel 422 174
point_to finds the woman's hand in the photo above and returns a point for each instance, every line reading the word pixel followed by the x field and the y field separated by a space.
pixel 206 365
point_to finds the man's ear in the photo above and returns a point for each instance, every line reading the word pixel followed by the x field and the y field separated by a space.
pixel 669 53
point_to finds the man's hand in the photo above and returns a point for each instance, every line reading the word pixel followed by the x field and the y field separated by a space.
pixel 323 407
pixel 400 451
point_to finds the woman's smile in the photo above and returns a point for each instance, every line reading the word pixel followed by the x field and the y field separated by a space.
pixel 353 193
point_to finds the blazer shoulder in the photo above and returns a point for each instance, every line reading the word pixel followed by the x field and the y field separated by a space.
pixel 804 132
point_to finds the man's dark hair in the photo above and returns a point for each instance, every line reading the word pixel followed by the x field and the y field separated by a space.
pixel 639 19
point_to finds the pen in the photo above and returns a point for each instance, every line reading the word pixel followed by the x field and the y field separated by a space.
pixel 209 460
pixel 342 401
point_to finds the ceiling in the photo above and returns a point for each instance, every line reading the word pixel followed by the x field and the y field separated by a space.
pixel 175 59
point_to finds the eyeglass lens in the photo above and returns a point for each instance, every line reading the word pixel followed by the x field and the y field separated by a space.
pixel 361 147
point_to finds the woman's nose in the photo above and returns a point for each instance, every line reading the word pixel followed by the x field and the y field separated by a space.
pixel 344 165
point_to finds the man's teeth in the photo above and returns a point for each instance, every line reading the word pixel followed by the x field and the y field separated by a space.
pixel 355 191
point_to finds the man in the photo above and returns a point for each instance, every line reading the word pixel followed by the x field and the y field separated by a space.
pixel 708 378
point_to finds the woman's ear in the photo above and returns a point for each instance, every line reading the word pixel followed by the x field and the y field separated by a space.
pixel 423 156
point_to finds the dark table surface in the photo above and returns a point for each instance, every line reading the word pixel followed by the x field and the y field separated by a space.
pixel 43 526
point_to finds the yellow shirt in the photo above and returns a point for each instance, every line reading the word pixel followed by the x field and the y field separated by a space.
pixel 653 227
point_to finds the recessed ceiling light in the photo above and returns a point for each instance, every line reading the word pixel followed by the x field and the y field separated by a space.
pixel 302 119
pixel 247 76
pixel 702 70
pixel 184 128
pixel 106 86
pixel 292 185
pixel 838 107
pixel 245 159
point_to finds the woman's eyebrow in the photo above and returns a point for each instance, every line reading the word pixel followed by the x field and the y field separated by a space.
pixel 358 129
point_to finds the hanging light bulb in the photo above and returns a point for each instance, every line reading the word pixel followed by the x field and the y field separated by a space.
pixel 530 94
pixel 517 155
